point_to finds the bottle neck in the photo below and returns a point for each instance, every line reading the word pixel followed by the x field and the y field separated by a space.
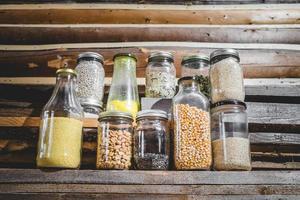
pixel 189 85
pixel 124 67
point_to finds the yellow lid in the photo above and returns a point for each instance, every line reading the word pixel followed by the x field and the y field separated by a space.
pixel 66 70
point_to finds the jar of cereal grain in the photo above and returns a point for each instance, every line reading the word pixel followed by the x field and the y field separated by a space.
pixel 192 142
pixel 226 76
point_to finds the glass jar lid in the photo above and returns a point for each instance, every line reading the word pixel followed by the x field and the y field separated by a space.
pixel 152 113
pixel 224 52
pixel 90 56
pixel 125 54
pixel 195 58
pixel 229 102
pixel 108 114
pixel 66 71
pixel 159 55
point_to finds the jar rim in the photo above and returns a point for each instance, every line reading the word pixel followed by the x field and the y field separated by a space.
pixel 224 52
pixel 152 113
pixel 66 70
pixel 131 55
pixel 186 78
pixel 228 102
pixel 107 114
pixel 90 56
pixel 161 54
pixel 194 58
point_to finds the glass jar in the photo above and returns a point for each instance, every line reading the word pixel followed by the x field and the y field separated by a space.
pixel 151 140
pixel 230 138
pixel 123 94
pixel 226 76
pixel 160 75
pixel 90 85
pixel 114 148
pixel 192 142
pixel 197 65
pixel 60 135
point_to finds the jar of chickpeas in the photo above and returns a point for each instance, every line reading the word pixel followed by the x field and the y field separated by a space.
pixel 115 138
pixel 192 140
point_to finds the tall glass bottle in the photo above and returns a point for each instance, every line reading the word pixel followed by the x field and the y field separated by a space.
pixel 123 93
pixel 60 136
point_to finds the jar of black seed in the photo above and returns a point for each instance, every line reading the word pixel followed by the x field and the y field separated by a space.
pixel 151 140
pixel 90 81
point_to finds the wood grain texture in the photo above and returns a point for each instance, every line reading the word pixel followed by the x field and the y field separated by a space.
pixel 77 196
pixel 177 2
pixel 148 14
pixel 149 177
pixel 153 189
pixel 258 60
pixel 69 33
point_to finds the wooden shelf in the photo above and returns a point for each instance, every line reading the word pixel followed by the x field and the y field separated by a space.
pixel 97 184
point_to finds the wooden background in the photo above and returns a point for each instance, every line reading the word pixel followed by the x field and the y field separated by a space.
pixel 38 37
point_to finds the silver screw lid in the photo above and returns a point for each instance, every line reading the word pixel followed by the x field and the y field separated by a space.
pixel 193 58
pixel 90 55
pixel 224 52
pixel 107 114
pixel 152 113
pixel 161 54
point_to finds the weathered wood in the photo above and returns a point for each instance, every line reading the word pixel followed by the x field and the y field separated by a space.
pixel 149 177
pixel 35 121
pixel 153 189
pixel 258 60
pixel 178 2
pixel 258 113
pixel 77 196
pixel 275 138
pixel 68 33
pixel 288 87
pixel 149 14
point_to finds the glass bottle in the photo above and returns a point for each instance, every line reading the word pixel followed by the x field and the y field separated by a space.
pixel 197 65
pixel 192 141
pixel 152 140
pixel 90 80
pixel 160 75
pixel 123 93
pixel 226 76
pixel 114 148
pixel 230 137
pixel 60 136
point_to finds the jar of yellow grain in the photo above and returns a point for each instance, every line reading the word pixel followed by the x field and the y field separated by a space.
pixel 192 140
pixel 60 136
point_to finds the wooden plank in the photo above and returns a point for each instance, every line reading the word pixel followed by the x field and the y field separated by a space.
pixel 258 113
pixel 275 138
pixel 149 14
pixel 177 2
pixel 254 87
pixel 149 177
pixel 258 60
pixel 77 196
pixel 35 121
pixel 153 189
pixel 82 33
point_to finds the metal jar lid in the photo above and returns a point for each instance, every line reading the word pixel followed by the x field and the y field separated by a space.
pixel 90 56
pixel 91 102
pixel 195 58
pixel 161 55
pixel 66 71
pixel 224 52
pixel 108 114
pixel 228 102
pixel 152 113
pixel 125 54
